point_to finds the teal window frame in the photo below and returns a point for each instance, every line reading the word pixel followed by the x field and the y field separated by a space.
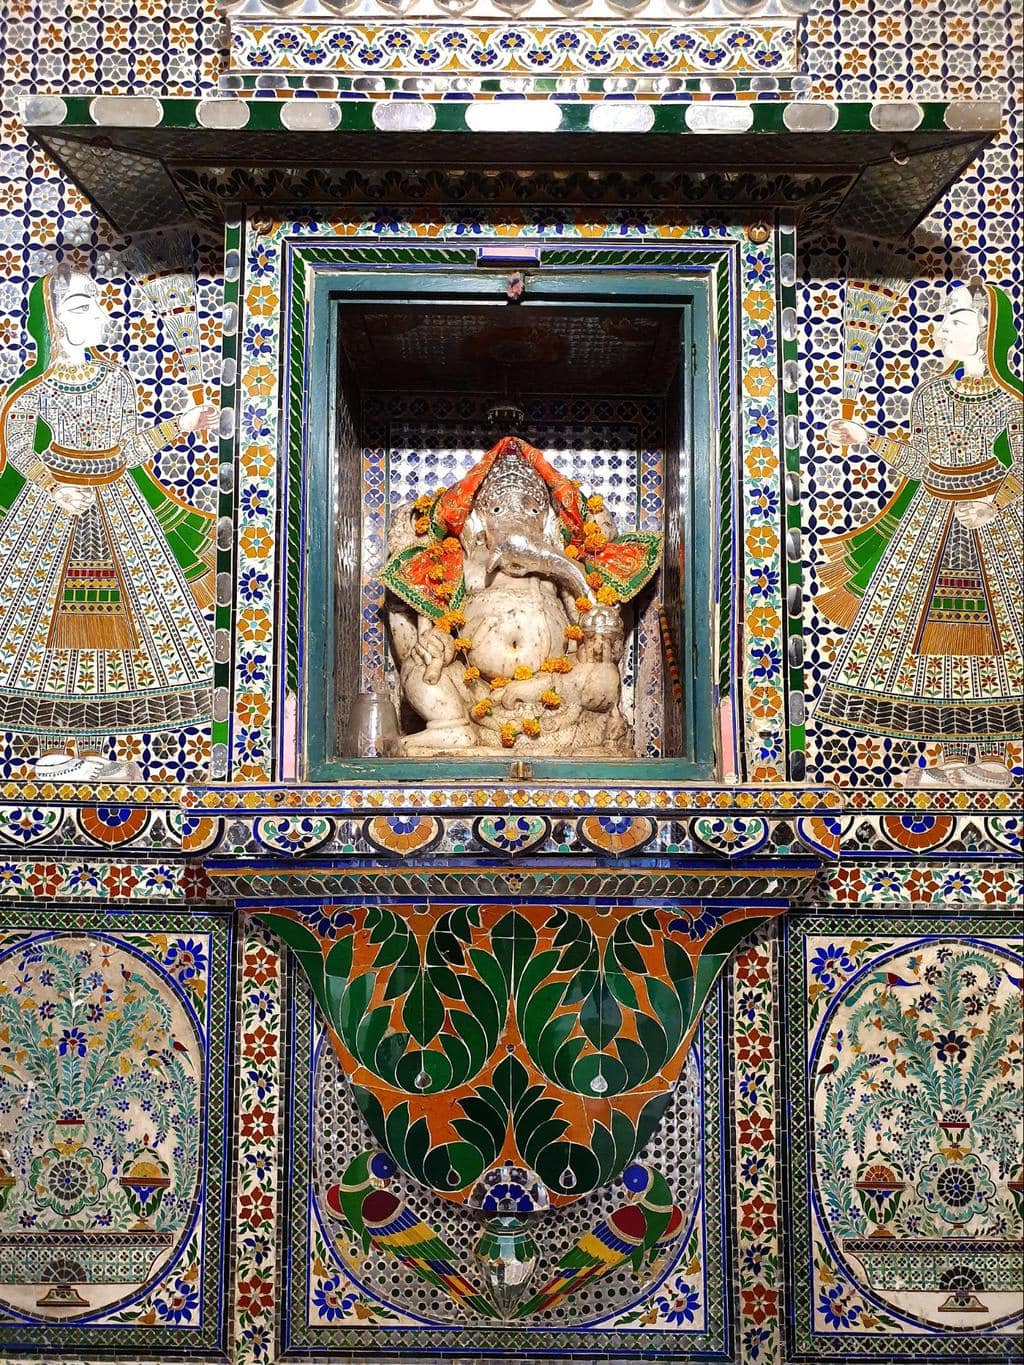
pixel 690 281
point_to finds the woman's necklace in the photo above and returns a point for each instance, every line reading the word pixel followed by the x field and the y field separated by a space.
pixel 74 372
pixel 972 385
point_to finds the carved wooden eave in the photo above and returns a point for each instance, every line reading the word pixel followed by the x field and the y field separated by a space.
pixel 875 168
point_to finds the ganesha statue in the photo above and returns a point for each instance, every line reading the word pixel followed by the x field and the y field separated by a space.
pixel 506 613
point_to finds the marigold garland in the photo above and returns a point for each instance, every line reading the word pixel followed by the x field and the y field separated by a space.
pixel 499 681
pixel 560 664
pixel 482 708
pixel 531 727
pixel 550 698
pixel 584 604
pixel 523 673
pixel 471 674
pixel 508 734
pixel 574 633
pixel 608 597
pixel 463 642
pixel 421 525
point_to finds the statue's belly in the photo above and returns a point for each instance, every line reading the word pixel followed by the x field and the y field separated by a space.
pixel 513 627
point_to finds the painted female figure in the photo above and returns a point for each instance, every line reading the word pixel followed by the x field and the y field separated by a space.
pixel 930 592
pixel 104 573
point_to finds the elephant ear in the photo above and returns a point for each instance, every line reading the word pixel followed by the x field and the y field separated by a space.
pixel 629 563
pixel 400 530
pixel 408 575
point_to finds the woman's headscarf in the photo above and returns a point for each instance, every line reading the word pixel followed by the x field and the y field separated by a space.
pixel 40 326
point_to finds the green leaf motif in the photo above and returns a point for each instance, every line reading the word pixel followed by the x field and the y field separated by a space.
pixel 423 1014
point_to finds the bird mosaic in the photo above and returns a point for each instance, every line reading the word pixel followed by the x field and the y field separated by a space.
pixel 640 1231
pixel 378 1217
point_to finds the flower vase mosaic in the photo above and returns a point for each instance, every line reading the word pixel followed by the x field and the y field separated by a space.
pixel 915 1076
pixel 104 1120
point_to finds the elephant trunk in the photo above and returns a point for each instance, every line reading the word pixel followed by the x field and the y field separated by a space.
pixel 518 556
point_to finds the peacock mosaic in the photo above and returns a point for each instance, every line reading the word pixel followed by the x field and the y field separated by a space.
pixel 596 1273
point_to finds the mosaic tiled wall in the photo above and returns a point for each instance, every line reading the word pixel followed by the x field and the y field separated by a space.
pixel 900 51
pixel 45 220
pixel 851 50
pixel 859 1071
pixel 115 1129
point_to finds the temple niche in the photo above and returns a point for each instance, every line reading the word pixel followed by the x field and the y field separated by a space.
pixel 518 570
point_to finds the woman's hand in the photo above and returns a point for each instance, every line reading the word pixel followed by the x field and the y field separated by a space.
pixel 976 513
pixel 72 499
pixel 843 432
pixel 197 417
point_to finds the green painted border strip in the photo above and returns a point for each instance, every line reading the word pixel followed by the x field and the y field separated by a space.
pixel 788 352
pixel 294 341
pixel 725 341
pixel 315 311
pixel 227 501
pixel 356 115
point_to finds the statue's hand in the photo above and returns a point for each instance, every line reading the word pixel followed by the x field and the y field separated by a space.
pixel 197 417
pixel 843 432
pixel 978 512
pixel 434 651
pixel 72 499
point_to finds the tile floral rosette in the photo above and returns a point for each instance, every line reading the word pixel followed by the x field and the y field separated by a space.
pixel 917 1085
pixel 102 1083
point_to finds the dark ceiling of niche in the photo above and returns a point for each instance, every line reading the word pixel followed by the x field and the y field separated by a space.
pixel 513 349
